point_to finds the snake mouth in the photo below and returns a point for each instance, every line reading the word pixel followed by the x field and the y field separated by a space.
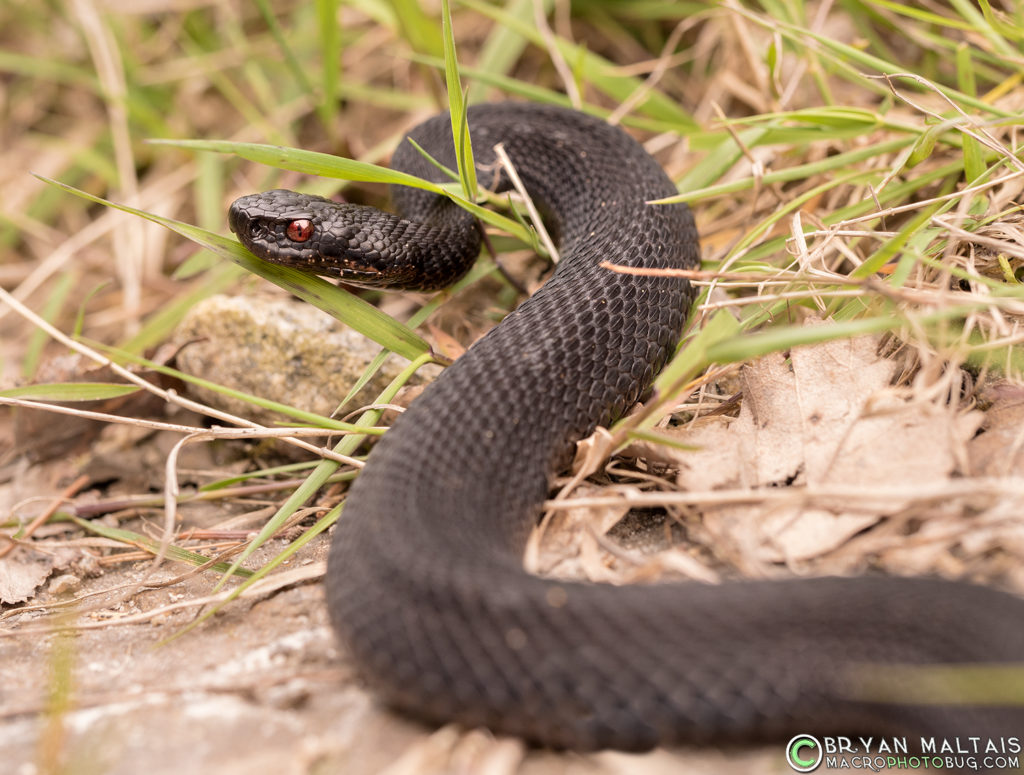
pixel 252 233
pixel 237 219
pixel 248 226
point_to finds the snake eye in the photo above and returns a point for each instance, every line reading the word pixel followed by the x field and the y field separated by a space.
pixel 300 230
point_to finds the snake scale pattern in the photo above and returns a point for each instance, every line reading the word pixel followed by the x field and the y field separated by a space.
pixel 425 585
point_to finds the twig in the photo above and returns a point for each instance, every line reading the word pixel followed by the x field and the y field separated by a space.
pixel 517 183
pixel 69 492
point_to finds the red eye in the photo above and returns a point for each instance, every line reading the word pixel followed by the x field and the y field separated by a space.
pixel 300 230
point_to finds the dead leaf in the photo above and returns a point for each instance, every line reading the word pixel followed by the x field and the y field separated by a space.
pixel 24 570
pixel 446 344
pixel 825 416
pixel 769 449
pixel 999 450
pixel 714 462
pixel 566 544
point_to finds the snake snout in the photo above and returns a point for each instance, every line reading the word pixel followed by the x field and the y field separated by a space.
pixel 238 216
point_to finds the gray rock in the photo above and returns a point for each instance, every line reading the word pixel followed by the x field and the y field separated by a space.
pixel 283 350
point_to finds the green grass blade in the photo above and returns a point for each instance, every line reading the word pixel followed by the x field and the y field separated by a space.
pixel 296 68
pixel 457 107
pixel 755 345
pixel 692 357
pixel 70 391
pixel 148 544
pixel 799 172
pixel 418 28
pixel 326 165
pixel 715 164
pixel 65 283
pixel 307 162
pixel 325 468
pixel 330 69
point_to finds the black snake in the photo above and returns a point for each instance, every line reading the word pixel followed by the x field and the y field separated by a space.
pixel 425 583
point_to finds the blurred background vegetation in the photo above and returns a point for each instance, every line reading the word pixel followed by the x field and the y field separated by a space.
pixel 771 115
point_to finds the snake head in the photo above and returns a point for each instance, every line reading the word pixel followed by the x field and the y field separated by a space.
pixel 313 234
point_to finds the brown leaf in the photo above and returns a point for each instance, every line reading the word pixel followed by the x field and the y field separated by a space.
pixel 826 416
pixel 24 570
pixel 566 545
pixel 999 450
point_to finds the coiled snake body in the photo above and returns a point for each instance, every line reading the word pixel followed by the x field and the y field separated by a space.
pixel 425 583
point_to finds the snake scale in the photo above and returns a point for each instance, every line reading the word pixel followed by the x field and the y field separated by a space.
pixel 426 587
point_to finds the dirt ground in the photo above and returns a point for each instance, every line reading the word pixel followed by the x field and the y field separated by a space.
pixel 259 688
